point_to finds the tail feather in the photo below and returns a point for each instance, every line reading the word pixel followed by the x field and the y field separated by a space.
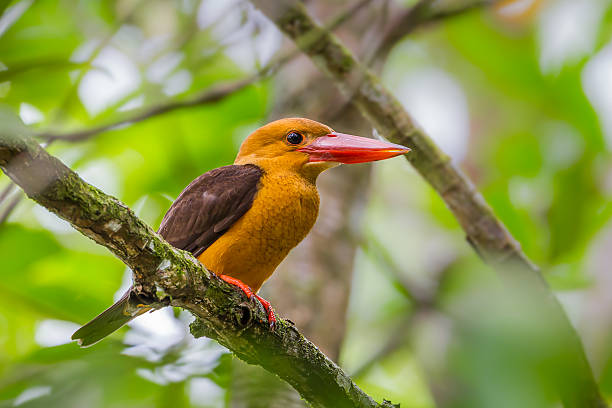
pixel 124 310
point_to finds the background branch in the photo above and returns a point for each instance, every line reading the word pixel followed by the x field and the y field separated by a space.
pixel 215 94
pixel 484 231
pixel 385 113
pixel 421 14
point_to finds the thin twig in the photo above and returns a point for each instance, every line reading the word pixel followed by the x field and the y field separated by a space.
pixel 10 207
pixel 396 340
pixel 72 93
pixel 423 301
pixel 6 192
pixel 215 94
pixel 417 16
pixel 375 249
pixel 421 14
pixel 66 101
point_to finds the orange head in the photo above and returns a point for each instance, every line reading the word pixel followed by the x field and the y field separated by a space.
pixel 308 147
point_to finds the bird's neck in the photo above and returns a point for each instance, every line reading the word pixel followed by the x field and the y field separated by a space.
pixel 291 168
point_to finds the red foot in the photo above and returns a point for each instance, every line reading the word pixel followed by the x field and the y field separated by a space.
pixel 268 308
pixel 249 294
pixel 237 282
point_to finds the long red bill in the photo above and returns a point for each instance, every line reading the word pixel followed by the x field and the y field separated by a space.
pixel 343 148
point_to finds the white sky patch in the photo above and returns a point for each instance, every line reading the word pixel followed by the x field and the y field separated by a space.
pixel 51 221
pixel 515 8
pixel 51 332
pixel 152 375
pixel 84 51
pixel 269 38
pixel 103 174
pixel 178 82
pixel 115 77
pixel 204 392
pixel 128 38
pixel 197 357
pixel 126 283
pixel 152 46
pixel 30 394
pixel 12 14
pixel 133 103
pixel 71 154
pixel 261 39
pixel 597 84
pixel 187 6
pixel 211 11
pixel 154 333
pixel 439 105
pixel 567 31
pixel 30 114
pixel 163 66
pixel 249 41
pixel 202 355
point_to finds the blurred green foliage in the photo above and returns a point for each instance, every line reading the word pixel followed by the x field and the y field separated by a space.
pixel 536 149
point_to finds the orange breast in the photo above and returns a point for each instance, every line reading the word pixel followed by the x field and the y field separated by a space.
pixel 283 212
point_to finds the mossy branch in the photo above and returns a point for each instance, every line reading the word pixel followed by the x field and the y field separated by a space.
pixel 164 275
pixel 484 231
pixel 388 117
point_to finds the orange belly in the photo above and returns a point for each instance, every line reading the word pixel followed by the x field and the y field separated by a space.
pixel 283 212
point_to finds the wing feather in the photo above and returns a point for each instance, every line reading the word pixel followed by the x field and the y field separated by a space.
pixel 209 206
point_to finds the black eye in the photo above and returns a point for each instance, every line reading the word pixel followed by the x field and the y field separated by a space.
pixel 294 138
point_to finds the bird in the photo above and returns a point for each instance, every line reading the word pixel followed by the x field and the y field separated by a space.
pixel 241 220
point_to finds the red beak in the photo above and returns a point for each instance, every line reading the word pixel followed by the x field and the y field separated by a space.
pixel 342 148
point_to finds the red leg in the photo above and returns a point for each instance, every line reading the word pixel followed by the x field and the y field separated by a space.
pixel 249 294
pixel 268 308
pixel 237 282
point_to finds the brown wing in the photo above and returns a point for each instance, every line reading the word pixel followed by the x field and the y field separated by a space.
pixel 209 206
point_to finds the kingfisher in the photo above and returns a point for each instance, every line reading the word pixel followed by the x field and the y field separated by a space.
pixel 240 221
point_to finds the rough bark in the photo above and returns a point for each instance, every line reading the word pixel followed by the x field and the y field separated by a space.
pixel 487 234
pixel 312 286
pixel 166 276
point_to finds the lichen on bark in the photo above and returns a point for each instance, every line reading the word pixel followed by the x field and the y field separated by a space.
pixel 166 276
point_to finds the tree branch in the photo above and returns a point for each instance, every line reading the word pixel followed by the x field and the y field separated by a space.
pixel 166 276
pixel 215 94
pixel 422 13
pixel 10 207
pixel 483 230
pixel 386 114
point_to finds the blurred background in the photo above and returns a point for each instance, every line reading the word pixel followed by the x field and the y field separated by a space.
pixel 518 93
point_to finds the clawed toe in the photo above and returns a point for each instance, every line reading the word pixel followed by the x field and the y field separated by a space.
pixel 249 294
